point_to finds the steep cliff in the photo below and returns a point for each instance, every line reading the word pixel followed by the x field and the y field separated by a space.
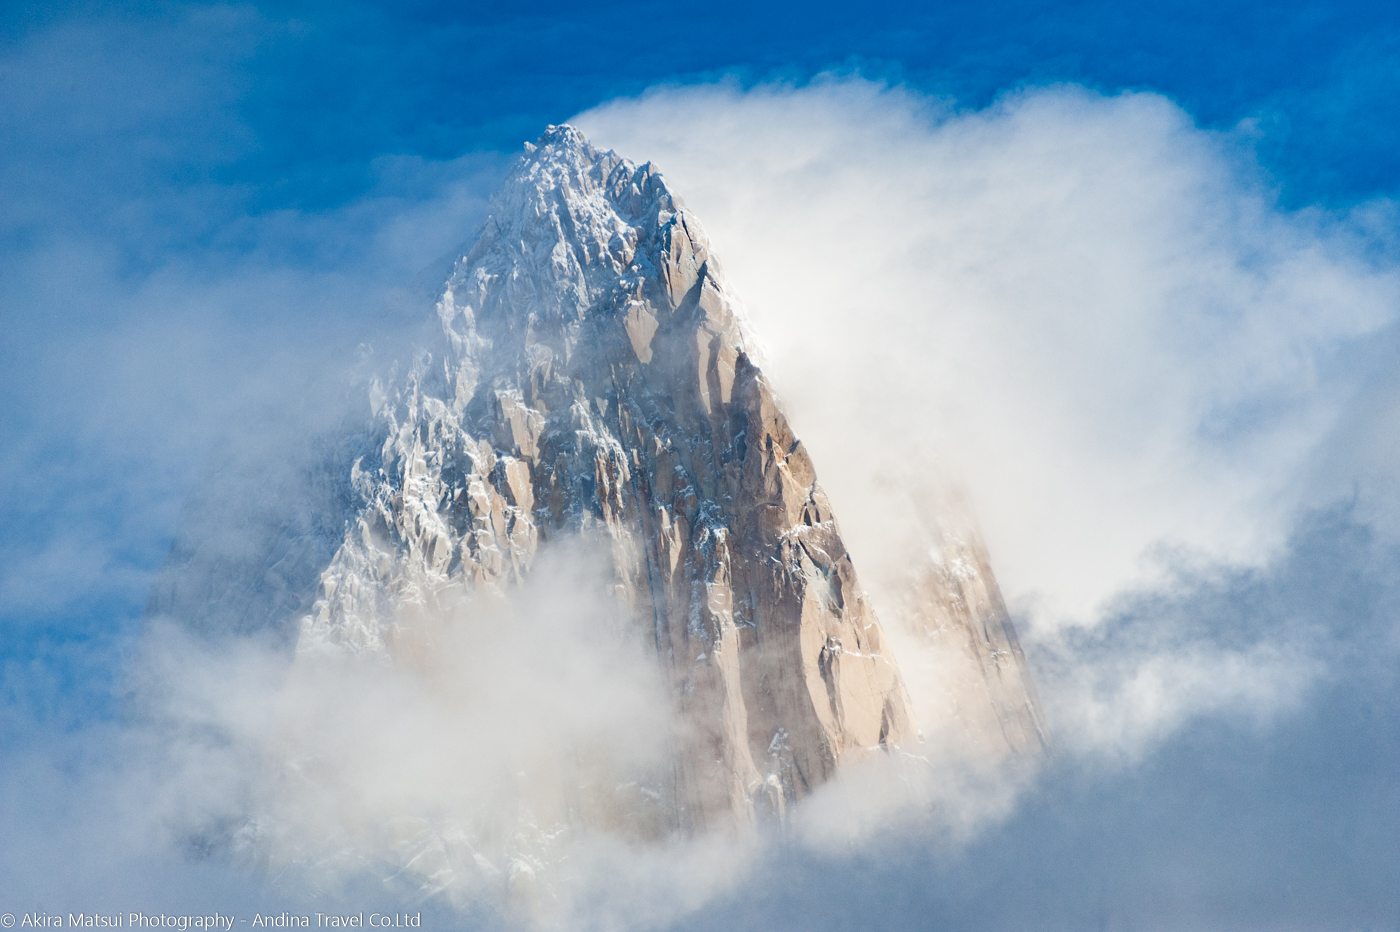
pixel 589 385
pixel 593 380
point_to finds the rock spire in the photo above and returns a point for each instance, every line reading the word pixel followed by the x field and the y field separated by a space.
pixel 593 379
pixel 589 380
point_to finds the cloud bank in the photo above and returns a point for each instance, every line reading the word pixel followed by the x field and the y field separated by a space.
pixel 1088 312
pixel 1168 399
pixel 1085 309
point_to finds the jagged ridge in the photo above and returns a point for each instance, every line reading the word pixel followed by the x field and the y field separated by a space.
pixel 593 379
pixel 589 380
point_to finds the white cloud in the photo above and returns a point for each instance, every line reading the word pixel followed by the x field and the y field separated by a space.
pixel 450 767
pixel 1084 307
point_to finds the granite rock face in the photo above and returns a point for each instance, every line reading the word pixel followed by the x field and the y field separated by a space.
pixel 589 383
pixel 593 380
pixel 976 696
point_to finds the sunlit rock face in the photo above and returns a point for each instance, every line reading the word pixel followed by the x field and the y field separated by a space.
pixel 593 380
pixel 591 385
pixel 974 696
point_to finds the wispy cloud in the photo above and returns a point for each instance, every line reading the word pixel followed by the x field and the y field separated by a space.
pixel 1084 306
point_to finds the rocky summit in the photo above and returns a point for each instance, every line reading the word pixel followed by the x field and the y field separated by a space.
pixel 591 379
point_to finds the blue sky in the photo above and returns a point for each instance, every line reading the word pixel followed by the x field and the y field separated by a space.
pixel 202 208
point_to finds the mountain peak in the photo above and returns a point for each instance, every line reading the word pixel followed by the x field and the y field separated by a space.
pixel 590 387
pixel 561 138
pixel 595 382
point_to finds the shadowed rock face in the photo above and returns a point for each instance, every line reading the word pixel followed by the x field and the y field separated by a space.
pixel 590 382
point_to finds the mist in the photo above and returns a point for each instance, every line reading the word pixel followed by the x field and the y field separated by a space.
pixel 1166 397
pixel 1079 305
pixel 1080 308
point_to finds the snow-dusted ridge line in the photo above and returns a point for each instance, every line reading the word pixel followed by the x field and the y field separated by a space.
pixel 590 381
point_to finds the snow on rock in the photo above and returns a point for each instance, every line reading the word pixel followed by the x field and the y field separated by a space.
pixel 591 381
